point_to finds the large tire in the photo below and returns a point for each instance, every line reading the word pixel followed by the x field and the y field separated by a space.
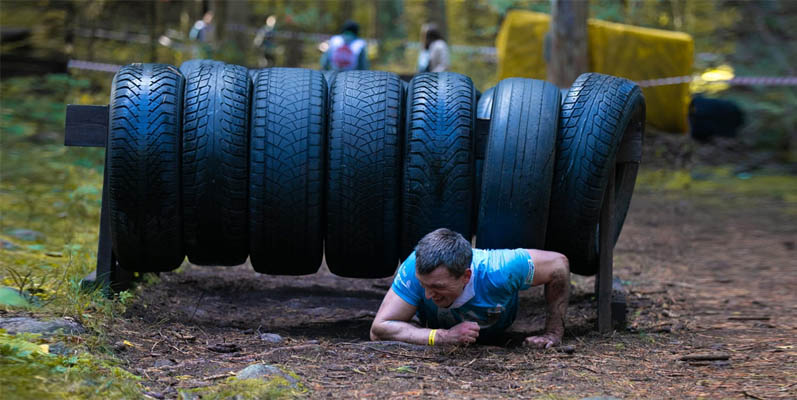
pixel 438 163
pixel 215 164
pixel 286 174
pixel 518 166
pixel 144 167
pixel 364 171
pixel 188 66
pixel 601 128
pixel 484 110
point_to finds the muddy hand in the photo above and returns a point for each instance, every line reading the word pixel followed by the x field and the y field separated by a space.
pixel 461 333
pixel 543 342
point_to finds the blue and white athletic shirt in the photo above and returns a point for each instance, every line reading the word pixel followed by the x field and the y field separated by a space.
pixel 489 299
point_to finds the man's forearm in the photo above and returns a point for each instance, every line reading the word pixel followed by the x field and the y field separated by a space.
pixel 557 295
pixel 400 331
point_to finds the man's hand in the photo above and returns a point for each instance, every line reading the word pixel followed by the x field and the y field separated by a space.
pixel 543 342
pixel 461 333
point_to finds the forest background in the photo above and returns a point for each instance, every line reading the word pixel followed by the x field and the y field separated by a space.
pixel 50 194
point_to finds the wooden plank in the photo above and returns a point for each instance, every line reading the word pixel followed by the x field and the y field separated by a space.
pixel 606 246
pixel 86 126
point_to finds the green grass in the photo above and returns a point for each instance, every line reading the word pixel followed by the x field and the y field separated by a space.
pixel 246 389
pixel 29 371
pixel 721 182
pixel 56 191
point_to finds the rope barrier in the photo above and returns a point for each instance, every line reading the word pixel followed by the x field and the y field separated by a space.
pixel 737 81
pixel 677 80
pixel 93 66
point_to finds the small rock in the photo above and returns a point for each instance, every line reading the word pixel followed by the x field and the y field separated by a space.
pixel 265 372
pixel 12 297
pixel 66 326
pixel 60 349
pixel 6 245
pixel 601 398
pixel 188 396
pixel 163 362
pixel 270 337
pixel 26 234
pixel 567 349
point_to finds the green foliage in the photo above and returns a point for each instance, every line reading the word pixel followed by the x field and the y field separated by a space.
pixel 28 370
pixel 274 388
pixel 721 181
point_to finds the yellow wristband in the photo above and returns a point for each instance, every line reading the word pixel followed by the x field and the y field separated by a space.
pixel 432 334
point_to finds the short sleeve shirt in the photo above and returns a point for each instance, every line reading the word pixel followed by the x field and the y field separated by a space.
pixel 497 277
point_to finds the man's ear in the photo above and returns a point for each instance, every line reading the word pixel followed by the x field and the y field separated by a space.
pixel 467 274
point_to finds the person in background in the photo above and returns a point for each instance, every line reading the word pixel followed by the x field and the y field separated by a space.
pixel 346 51
pixel 264 40
pixel 202 34
pixel 434 57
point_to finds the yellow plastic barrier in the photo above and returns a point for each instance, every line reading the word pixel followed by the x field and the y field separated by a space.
pixel 615 49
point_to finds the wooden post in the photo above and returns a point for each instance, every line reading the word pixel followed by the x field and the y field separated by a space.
pixel 568 38
pixel 606 245
pixel 87 126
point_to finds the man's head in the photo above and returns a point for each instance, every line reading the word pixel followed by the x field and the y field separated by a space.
pixel 442 265
pixel 350 27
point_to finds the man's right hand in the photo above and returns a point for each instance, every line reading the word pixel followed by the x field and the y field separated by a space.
pixel 461 333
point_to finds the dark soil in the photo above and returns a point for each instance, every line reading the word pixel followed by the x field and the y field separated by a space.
pixel 708 277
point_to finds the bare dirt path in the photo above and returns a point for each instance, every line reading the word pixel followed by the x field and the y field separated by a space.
pixel 708 276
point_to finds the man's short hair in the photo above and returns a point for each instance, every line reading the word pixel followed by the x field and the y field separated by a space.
pixel 351 27
pixel 446 248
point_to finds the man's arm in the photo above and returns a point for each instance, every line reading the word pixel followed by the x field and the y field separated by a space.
pixel 392 323
pixel 552 270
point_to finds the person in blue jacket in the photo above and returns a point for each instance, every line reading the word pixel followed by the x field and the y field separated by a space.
pixel 461 295
pixel 346 51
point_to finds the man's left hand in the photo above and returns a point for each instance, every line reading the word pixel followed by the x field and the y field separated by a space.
pixel 544 341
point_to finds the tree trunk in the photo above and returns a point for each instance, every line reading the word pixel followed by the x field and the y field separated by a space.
pixel 568 36
pixel 437 14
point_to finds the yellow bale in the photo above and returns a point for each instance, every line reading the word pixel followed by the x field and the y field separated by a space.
pixel 615 49
pixel 520 45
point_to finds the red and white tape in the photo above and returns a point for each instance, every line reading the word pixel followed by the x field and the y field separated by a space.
pixel 738 81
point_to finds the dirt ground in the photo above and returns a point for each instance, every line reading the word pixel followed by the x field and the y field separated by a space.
pixel 707 276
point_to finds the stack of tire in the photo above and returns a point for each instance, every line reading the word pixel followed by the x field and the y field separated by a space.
pixel 285 165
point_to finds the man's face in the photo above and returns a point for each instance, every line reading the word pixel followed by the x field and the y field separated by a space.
pixel 442 287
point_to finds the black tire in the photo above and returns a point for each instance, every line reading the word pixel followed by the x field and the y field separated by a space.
pixel 144 138
pixel 484 109
pixel 286 173
pixel 215 164
pixel 187 66
pixel 252 73
pixel 518 166
pixel 601 127
pixel 364 172
pixel 329 76
pixel 438 163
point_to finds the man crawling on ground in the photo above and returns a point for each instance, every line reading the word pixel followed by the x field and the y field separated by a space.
pixel 461 295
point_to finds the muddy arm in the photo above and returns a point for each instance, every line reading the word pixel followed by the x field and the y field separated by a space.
pixel 552 270
pixel 392 321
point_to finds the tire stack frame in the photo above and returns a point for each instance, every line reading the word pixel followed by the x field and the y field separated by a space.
pixel 111 127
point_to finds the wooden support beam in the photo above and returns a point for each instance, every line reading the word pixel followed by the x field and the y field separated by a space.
pixel 606 240
pixel 86 126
